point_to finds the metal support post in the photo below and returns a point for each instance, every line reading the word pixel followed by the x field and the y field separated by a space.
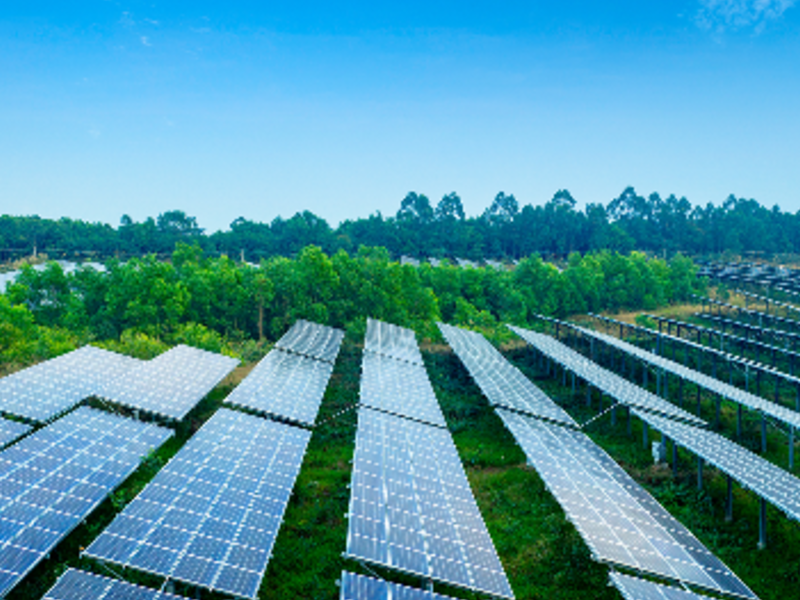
pixel 699 473
pixel 729 501
pixel 762 524
pixel 791 447
pixel 645 436
pixel 674 458
pixel 763 434
pixel 738 420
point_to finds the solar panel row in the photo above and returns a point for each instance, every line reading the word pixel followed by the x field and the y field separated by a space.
pixel 393 341
pixel 79 585
pixel 634 588
pixel 312 340
pixel 53 479
pixel 609 383
pixel 620 521
pixel 772 483
pixel 360 587
pixel 52 387
pixel 501 382
pixel 781 413
pixel 171 384
pixel 411 507
pixel 286 385
pixel 399 388
pixel 211 515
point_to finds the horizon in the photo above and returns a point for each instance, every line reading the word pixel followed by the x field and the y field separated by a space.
pixel 134 108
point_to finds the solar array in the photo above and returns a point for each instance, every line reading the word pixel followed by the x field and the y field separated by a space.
pixel 312 340
pixel 733 339
pixel 52 387
pixel 399 388
pixel 620 521
pixel 290 386
pixel 211 515
pixel 754 316
pixel 731 358
pixel 361 587
pixel 79 585
pixel 772 483
pixel 634 588
pixel 609 383
pixel 171 384
pixel 501 382
pixel 392 341
pixel 411 507
pixel 53 479
pixel 755 331
pixel 11 430
pixel 740 396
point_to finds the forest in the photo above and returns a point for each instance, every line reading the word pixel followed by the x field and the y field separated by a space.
pixel 144 304
pixel 505 230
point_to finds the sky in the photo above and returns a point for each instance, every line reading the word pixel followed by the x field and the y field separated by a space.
pixel 260 110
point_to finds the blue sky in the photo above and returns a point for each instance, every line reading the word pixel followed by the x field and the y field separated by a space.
pixel 262 109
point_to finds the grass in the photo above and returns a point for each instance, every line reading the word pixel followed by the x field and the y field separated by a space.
pixel 541 551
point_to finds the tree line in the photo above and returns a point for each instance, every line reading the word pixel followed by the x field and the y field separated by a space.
pixel 421 229
pixel 225 305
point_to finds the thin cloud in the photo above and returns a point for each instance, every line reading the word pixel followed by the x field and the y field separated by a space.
pixel 145 41
pixel 734 15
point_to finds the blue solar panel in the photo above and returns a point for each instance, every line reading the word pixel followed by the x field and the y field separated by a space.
pixel 78 585
pixel 11 430
pixel 53 479
pixel 290 386
pixel 360 587
pixel 412 509
pixel 211 515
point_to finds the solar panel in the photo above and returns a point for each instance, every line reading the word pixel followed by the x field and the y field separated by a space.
pixel 55 477
pixel 392 341
pixel 54 386
pixel 360 587
pixel 312 340
pixel 634 588
pixel 285 385
pixel 11 430
pixel 772 483
pixel 79 585
pixel 609 383
pixel 500 381
pixel 211 515
pixel 171 384
pixel 716 386
pixel 411 507
pixel 399 388
pixel 620 522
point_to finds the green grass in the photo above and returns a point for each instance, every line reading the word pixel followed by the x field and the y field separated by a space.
pixel 541 551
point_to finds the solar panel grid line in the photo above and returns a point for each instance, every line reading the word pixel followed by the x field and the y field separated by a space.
pixel 361 587
pixel 399 388
pixel 211 515
pixel 620 522
pixel 635 588
pixel 412 510
pixel 606 381
pixel 777 486
pixel 54 478
pixel 80 585
pixel 285 385
pixel 726 390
